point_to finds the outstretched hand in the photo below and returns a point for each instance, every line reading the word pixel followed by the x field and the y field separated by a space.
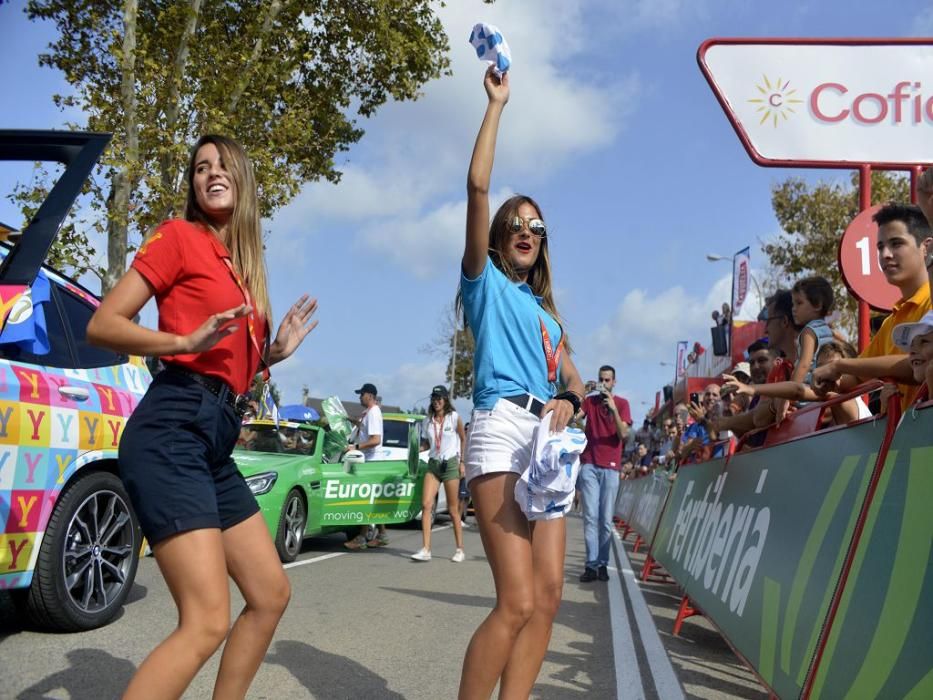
pixel 730 382
pixel 213 330
pixel 497 89
pixel 294 327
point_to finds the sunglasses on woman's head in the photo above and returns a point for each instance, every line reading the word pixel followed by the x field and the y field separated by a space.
pixel 535 226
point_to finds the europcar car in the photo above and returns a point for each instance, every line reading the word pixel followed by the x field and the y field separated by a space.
pixel 395 446
pixel 301 495
pixel 69 540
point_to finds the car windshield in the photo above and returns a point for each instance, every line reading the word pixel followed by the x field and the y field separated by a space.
pixel 396 433
pixel 282 440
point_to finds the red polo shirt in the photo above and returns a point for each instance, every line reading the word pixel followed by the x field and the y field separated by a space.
pixel 603 446
pixel 185 265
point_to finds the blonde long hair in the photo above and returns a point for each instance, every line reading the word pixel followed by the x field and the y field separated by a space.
pixel 244 231
pixel 539 276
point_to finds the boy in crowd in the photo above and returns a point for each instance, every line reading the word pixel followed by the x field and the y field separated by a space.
pixel 905 246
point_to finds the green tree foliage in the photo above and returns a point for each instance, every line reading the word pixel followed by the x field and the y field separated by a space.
pixel 286 78
pixel 257 388
pixel 813 219
pixel 461 384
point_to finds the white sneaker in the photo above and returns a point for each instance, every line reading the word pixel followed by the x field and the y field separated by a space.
pixel 422 555
pixel 458 556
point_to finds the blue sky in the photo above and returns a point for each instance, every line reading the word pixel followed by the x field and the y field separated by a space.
pixel 611 127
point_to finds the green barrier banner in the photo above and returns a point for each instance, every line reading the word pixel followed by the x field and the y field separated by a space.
pixel 629 489
pixel 880 644
pixel 759 547
pixel 647 510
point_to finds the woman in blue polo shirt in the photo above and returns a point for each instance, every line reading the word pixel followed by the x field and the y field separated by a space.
pixel 521 353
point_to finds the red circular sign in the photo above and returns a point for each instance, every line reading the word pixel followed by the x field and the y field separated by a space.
pixel 858 261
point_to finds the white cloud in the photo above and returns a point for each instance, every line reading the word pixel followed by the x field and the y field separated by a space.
pixel 413 172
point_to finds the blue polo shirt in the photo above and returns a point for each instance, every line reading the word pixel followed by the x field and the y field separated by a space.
pixel 509 356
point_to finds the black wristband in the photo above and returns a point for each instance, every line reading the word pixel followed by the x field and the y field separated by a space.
pixel 572 398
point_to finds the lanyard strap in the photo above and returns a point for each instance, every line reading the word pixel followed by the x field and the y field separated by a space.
pixel 551 356
pixel 250 325
pixel 438 435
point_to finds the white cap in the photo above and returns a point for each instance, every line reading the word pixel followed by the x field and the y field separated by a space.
pixel 742 367
pixel 904 333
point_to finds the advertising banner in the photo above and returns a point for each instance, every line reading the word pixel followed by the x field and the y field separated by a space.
pixel 759 547
pixel 826 102
pixel 647 509
pixel 880 644
pixel 680 362
pixel 741 272
pixel 628 496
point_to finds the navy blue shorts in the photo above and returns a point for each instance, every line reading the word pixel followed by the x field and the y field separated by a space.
pixel 175 460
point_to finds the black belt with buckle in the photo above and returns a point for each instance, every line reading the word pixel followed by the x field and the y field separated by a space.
pixel 218 387
pixel 528 402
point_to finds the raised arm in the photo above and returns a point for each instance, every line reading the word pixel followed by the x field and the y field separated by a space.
pixel 477 220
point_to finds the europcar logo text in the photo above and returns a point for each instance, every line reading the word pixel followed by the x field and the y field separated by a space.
pixel 777 100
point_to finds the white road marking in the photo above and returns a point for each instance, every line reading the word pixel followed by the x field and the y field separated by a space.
pixel 314 560
pixel 628 676
pixel 665 680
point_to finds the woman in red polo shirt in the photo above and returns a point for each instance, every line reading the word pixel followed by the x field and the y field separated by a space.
pixel 207 274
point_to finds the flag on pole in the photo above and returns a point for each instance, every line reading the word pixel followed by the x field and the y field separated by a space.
pixel 741 272
pixel 680 364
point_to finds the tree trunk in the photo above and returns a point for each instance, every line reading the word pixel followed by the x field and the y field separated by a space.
pixel 274 8
pixel 118 219
pixel 167 171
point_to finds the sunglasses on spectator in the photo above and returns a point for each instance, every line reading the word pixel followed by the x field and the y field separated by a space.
pixel 535 226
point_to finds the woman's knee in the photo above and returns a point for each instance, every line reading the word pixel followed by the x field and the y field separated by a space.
pixel 206 630
pixel 548 597
pixel 516 611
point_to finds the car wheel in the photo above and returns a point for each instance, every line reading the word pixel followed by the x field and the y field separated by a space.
pixel 291 530
pixel 87 561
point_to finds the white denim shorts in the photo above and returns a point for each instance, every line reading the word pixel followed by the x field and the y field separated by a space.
pixel 499 440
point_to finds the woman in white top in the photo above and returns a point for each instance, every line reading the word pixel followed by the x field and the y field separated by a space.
pixel 443 436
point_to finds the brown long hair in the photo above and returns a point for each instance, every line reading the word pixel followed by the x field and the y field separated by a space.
pixel 244 232
pixel 539 276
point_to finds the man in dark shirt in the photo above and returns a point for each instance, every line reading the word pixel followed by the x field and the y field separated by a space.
pixel 608 420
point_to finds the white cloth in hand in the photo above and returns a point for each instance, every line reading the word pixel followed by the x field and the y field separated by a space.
pixel 545 489
pixel 491 47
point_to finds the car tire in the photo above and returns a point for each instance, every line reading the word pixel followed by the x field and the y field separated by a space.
pixel 291 531
pixel 88 557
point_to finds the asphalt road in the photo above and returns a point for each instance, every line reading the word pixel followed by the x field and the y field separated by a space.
pixel 374 624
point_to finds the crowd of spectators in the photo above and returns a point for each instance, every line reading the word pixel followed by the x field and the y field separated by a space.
pixel 803 360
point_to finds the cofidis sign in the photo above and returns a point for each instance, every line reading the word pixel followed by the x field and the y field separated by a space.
pixel 826 102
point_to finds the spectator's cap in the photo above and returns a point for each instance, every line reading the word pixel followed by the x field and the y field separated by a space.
pixel 440 390
pixel 367 388
pixel 742 368
pixel 905 333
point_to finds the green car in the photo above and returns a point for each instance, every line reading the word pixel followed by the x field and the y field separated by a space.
pixel 301 495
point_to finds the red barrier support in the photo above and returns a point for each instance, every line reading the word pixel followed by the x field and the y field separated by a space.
pixel 649 572
pixel 686 610
pixel 638 542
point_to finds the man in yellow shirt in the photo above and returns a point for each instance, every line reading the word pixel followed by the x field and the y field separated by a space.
pixel 905 241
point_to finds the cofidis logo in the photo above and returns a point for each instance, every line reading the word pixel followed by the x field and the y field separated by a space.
pixel 777 99
pixel 835 102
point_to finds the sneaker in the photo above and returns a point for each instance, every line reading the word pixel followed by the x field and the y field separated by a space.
pixel 378 541
pixel 458 556
pixel 356 544
pixel 602 573
pixel 422 555
pixel 588 575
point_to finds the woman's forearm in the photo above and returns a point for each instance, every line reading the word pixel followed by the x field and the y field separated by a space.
pixel 120 334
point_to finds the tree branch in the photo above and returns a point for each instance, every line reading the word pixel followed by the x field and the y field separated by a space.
pixel 274 8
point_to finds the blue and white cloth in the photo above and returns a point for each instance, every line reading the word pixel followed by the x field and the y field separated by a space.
pixel 545 489
pixel 491 47
pixel 26 325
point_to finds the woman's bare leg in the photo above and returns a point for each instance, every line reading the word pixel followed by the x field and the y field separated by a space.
pixel 548 543
pixel 428 494
pixel 255 567
pixel 452 491
pixel 507 541
pixel 192 564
